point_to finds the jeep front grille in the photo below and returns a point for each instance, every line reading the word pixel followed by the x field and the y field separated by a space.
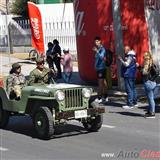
pixel 73 98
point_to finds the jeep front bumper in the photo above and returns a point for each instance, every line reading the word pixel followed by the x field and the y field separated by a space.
pixel 84 113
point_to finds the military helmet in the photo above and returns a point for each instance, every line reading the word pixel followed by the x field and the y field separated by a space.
pixel 16 65
pixel 39 60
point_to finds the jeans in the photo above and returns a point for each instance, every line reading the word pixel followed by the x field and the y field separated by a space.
pixel 58 66
pixel 131 91
pixel 67 76
pixel 149 87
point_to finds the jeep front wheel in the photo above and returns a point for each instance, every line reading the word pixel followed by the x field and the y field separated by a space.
pixel 43 123
pixel 93 125
pixel 4 117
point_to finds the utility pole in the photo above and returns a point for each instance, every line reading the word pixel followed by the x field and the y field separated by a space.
pixel 119 47
pixel 9 30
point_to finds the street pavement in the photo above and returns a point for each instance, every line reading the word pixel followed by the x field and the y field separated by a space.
pixel 125 134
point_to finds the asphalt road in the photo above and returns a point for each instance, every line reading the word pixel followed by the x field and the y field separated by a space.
pixel 124 135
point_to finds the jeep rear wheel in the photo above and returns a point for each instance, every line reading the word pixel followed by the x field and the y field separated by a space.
pixel 4 117
pixel 93 125
pixel 43 123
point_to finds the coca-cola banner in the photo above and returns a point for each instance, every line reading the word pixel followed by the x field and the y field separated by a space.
pixel 36 27
pixel 95 17
pixel 92 17
pixel 1 82
pixel 136 32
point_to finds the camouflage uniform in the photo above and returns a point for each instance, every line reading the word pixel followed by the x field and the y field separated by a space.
pixel 14 84
pixel 38 77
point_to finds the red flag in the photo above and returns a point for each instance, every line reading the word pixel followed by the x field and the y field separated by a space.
pixel 36 27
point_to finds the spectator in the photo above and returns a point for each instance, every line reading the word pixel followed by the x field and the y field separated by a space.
pixel 66 61
pixel 15 82
pixel 149 84
pixel 56 51
pixel 49 55
pixel 41 74
pixel 129 74
pixel 101 70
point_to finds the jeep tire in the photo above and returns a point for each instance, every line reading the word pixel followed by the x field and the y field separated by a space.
pixel 43 123
pixel 93 125
pixel 4 117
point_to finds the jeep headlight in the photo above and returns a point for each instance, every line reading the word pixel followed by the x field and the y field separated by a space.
pixel 86 92
pixel 59 95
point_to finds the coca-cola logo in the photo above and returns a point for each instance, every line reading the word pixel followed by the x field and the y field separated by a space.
pixel 79 17
pixel 35 26
pixel 153 4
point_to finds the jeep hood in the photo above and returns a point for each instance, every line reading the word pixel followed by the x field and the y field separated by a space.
pixel 63 86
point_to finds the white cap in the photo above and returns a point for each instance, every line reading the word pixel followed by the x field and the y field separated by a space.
pixel 66 49
pixel 132 52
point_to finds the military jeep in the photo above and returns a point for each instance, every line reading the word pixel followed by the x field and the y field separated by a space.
pixel 50 105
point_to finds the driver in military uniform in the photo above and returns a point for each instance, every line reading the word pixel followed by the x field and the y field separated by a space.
pixel 41 74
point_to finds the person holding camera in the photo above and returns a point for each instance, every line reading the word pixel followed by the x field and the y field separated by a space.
pixel 128 72
pixel 100 66
pixel 149 83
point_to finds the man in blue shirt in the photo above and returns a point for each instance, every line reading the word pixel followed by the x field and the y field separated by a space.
pixel 100 66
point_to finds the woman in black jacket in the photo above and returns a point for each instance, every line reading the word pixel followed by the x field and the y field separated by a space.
pixel 149 84
pixel 56 51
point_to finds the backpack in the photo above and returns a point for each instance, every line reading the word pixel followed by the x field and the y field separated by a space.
pixel 109 57
pixel 154 73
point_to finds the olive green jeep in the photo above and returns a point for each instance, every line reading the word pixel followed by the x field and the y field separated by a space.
pixel 50 105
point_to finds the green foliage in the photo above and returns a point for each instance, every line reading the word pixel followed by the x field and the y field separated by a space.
pixel 19 7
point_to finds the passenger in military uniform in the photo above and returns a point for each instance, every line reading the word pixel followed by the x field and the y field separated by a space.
pixel 41 74
pixel 15 82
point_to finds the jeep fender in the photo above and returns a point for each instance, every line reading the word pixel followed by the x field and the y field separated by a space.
pixel 4 100
pixel 34 104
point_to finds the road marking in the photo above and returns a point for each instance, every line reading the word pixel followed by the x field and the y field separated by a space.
pixel 108 126
pixel 3 149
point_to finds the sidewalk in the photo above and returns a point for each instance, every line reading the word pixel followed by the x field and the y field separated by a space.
pixel 28 66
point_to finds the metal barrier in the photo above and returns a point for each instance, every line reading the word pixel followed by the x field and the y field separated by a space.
pixel 64 32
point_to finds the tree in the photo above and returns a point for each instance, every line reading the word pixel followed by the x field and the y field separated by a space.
pixel 19 7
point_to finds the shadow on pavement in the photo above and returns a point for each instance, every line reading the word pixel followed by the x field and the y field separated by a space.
pixel 23 125
pixel 113 104
pixel 157 108
pixel 68 130
pixel 129 114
